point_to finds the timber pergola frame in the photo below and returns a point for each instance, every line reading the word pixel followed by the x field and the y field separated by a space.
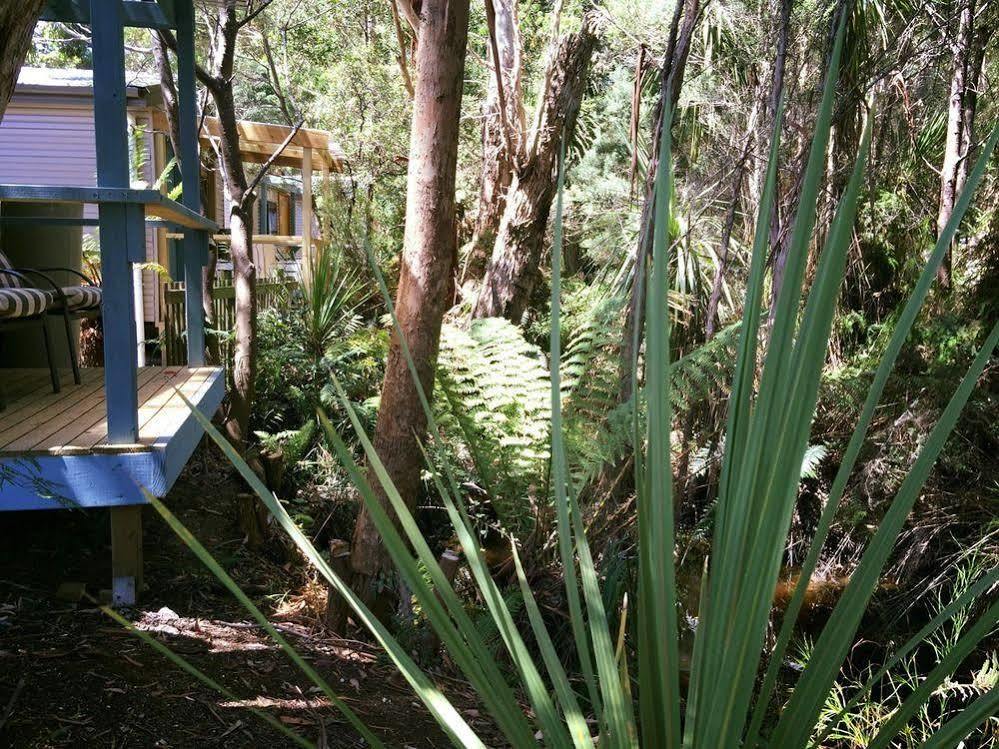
pixel 301 148
pixel 116 466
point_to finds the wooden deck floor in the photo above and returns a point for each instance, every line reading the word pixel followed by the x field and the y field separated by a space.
pixel 38 422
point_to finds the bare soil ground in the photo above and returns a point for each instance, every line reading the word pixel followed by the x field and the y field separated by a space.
pixel 71 677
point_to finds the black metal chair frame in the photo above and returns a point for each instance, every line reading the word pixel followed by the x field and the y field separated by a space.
pixel 69 314
pixel 37 320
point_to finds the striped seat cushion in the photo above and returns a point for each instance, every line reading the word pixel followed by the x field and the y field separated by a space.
pixel 19 303
pixel 8 281
pixel 81 298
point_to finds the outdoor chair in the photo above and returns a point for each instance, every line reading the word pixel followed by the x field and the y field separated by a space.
pixel 67 302
pixel 24 306
pixel 78 301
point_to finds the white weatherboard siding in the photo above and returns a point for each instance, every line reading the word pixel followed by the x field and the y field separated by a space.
pixel 48 144
pixel 49 140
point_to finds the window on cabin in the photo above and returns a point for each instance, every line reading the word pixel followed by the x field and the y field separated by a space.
pixel 272 217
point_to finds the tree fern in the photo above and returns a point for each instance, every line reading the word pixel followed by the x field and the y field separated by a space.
pixel 494 384
pixel 497 389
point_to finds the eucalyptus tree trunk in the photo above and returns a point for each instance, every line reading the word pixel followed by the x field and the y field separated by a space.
pixel 513 269
pixel 426 282
pixel 502 127
pixel 17 23
pixel 961 104
pixel 244 271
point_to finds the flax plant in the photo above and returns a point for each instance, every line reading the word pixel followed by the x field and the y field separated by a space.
pixel 732 700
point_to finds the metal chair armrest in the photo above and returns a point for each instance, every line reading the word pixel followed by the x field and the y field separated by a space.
pixel 24 273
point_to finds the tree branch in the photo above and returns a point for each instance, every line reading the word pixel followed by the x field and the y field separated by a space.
pixel 285 105
pixel 403 69
pixel 248 18
pixel 500 82
pixel 203 75
pixel 270 162
pixel 406 6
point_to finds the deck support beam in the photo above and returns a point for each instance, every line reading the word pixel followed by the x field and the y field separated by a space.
pixel 126 554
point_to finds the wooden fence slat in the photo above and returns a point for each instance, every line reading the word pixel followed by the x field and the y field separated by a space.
pixel 224 303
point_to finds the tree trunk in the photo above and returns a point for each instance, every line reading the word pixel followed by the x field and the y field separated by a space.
pixel 212 343
pixel 168 89
pixel 17 23
pixel 244 368
pixel 514 266
pixel 244 272
pixel 497 160
pixel 711 315
pixel 429 256
pixel 671 77
pixel 956 119
pixel 975 83
pixel 778 231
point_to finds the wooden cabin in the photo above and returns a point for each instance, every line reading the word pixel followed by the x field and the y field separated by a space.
pixel 47 137
pixel 122 430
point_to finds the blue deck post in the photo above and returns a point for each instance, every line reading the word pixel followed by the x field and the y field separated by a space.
pixel 195 245
pixel 117 221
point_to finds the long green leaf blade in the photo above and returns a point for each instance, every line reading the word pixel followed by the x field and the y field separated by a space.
pixel 898 337
pixel 833 644
pixel 222 576
pixel 439 706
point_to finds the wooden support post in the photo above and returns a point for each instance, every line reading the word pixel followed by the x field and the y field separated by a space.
pixel 126 554
pixel 195 245
pixel 337 609
pixel 307 254
pixel 117 221
pixel 252 519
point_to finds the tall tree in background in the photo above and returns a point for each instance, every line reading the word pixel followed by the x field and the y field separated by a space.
pixel 671 74
pixel 503 124
pixel 17 22
pixel 429 259
pixel 968 53
pixel 513 267
pixel 218 79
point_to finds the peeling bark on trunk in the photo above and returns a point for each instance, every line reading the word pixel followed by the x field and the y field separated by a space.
pixel 961 106
pixel 514 266
pixel 17 23
pixel 497 160
pixel 426 281
pixel 962 54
